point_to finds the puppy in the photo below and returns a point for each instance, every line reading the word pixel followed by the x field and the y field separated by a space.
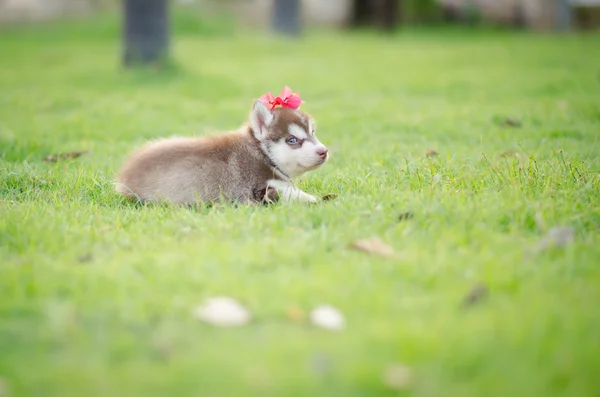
pixel 254 164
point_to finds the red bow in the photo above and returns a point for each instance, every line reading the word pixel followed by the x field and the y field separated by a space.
pixel 286 99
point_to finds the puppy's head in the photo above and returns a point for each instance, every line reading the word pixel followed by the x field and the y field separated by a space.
pixel 289 138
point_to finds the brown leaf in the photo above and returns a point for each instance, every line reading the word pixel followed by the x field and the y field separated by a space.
pixel 61 156
pixel 374 246
pixel 296 314
pixel 431 153
pixel 328 197
pixel 404 216
pixel 508 122
pixel 398 376
pixel 477 293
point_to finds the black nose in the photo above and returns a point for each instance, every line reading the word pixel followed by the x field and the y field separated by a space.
pixel 322 152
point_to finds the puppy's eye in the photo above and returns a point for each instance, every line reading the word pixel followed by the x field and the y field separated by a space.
pixel 293 140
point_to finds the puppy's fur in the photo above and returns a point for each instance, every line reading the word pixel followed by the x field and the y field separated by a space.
pixel 255 163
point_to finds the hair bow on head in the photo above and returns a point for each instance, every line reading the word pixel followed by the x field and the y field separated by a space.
pixel 286 99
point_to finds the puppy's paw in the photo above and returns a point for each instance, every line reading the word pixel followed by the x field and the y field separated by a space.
pixel 310 199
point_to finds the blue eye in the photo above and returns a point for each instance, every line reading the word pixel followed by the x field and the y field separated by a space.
pixel 292 140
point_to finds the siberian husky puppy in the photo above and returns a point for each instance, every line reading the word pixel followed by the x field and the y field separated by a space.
pixel 255 164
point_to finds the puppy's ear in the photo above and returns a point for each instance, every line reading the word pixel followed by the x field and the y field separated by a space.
pixel 260 120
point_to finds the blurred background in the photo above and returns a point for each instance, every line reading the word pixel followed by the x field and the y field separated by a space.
pixel 148 18
pixel 531 14
pixel 407 94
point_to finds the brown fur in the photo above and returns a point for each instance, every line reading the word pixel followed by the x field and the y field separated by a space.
pixel 236 166
pixel 189 170
pixel 285 117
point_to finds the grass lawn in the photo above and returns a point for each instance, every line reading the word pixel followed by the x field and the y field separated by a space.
pixel 97 295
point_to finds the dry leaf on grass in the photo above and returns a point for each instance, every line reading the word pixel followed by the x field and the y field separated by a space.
pixel 431 153
pixel 296 314
pixel 61 156
pixel 223 312
pixel 404 216
pixel 328 317
pixel 374 246
pixel 508 122
pixel 398 376
pixel 478 292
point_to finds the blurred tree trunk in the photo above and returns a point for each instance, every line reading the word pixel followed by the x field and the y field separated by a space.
pixel 286 17
pixel 361 13
pixel 564 15
pixel 388 14
pixel 146 31
pixel 385 14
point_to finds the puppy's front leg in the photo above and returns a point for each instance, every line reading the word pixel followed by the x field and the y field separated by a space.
pixel 288 192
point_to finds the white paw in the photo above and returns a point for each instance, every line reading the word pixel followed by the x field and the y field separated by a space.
pixel 310 199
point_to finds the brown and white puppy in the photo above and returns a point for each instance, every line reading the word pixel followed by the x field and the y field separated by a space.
pixel 244 166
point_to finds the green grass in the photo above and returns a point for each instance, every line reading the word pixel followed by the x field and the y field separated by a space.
pixel 96 295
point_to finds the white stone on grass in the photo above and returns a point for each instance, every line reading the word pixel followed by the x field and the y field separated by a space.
pixel 222 311
pixel 328 317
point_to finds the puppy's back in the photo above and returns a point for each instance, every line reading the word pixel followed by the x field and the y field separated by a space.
pixel 182 170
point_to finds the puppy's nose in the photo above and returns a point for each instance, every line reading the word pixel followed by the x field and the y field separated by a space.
pixel 322 151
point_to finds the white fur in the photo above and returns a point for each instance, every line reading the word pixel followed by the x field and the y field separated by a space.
pixel 297 131
pixel 292 161
pixel 260 119
pixel 290 193
pixel 296 162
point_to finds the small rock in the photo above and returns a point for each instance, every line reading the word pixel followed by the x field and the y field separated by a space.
pixel 557 237
pixel 398 376
pixel 328 317
pixel 223 312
